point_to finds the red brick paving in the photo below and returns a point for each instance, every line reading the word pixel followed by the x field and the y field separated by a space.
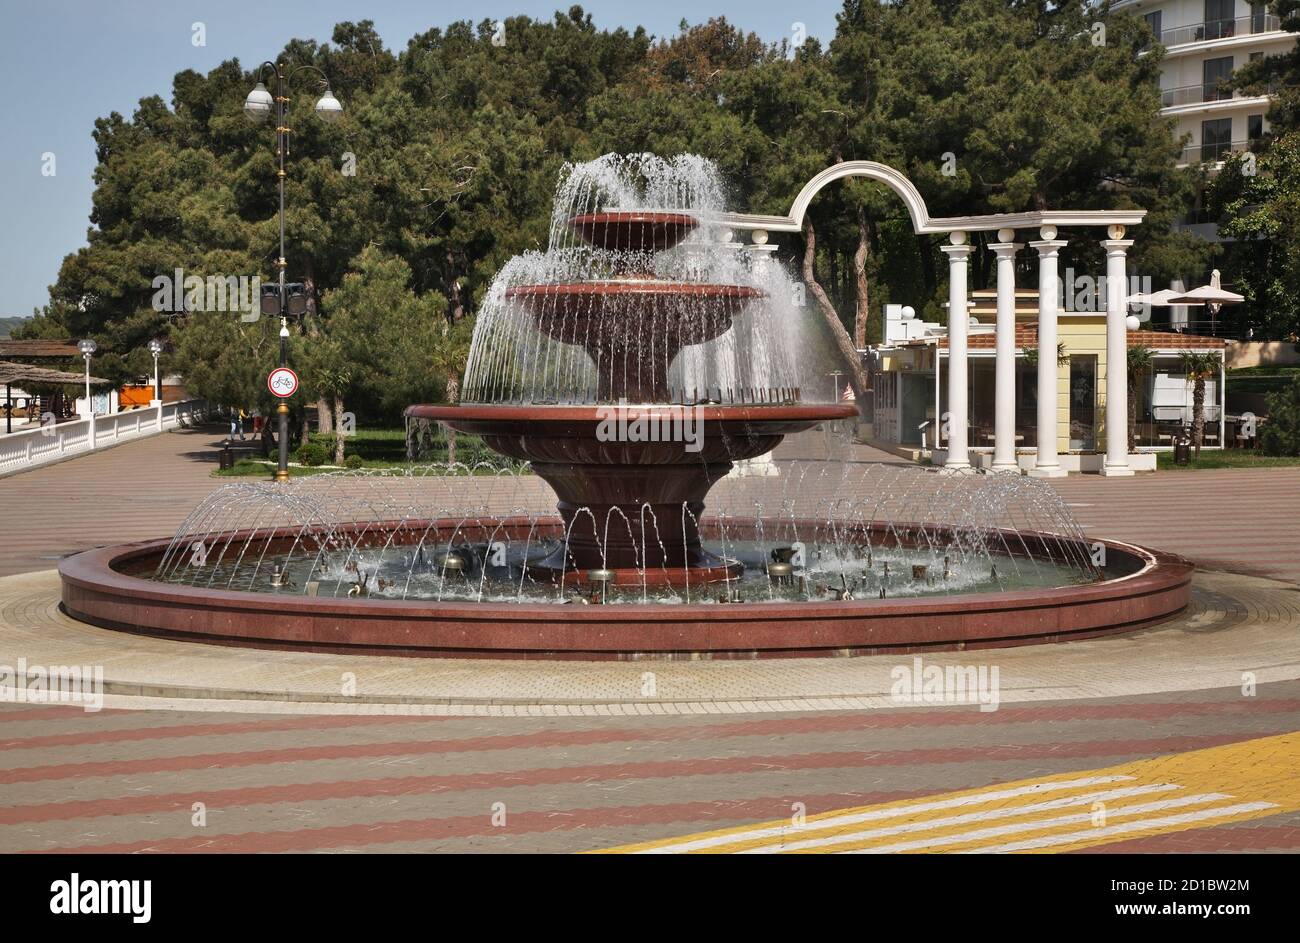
pixel 565 789
pixel 522 823
pixel 136 491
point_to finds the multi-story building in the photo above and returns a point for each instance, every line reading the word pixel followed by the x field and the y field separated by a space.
pixel 1205 41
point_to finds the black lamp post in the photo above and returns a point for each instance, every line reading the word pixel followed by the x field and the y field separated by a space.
pixel 257 106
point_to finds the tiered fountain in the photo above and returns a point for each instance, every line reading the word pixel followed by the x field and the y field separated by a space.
pixel 642 314
pixel 633 508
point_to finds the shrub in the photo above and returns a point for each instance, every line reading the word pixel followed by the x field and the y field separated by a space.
pixel 310 453
pixel 1280 435
pixel 354 461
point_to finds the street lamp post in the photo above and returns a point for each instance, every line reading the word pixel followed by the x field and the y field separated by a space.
pixel 257 106
pixel 155 348
pixel 88 348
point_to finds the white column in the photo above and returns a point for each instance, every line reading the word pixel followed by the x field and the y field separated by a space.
pixel 1004 398
pixel 1047 464
pixel 958 326
pixel 1116 247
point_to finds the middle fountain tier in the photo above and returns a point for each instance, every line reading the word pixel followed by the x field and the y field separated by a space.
pixel 632 454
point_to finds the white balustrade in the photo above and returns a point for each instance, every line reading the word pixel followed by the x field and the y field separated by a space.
pixel 53 442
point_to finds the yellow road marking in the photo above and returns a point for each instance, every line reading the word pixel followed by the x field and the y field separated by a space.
pixel 1236 782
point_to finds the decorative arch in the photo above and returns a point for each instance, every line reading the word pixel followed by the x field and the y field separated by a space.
pixel 881 173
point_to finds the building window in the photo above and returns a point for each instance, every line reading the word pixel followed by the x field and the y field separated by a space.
pixel 1254 127
pixel 1214 75
pixel 1219 20
pixel 1258 18
pixel 1154 21
pixel 1216 139
pixel 1083 403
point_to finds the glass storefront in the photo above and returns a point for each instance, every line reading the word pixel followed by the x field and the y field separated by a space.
pixel 1163 401
pixel 1164 405
pixel 982 400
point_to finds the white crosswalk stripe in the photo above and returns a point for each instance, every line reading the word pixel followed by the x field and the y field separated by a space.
pixel 987 815
pixel 879 814
pixel 999 830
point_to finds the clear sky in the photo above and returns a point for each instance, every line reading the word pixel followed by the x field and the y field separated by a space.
pixel 63 63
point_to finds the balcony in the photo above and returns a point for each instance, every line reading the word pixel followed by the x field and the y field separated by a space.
pixel 1203 92
pixel 1212 153
pixel 1194 94
pixel 1220 29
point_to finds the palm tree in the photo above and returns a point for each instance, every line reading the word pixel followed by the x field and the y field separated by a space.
pixel 1199 365
pixel 1031 356
pixel 1139 362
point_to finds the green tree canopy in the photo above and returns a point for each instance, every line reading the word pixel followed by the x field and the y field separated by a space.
pixel 445 162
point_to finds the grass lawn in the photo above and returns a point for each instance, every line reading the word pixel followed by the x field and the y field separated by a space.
pixel 257 468
pixel 1227 458
pixel 377 448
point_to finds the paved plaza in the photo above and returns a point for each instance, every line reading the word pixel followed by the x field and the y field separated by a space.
pixel 1185 735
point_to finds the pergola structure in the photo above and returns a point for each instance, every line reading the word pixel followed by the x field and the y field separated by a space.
pixel 1047 225
pixel 11 373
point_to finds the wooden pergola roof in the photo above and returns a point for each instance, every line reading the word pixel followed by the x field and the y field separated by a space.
pixel 27 373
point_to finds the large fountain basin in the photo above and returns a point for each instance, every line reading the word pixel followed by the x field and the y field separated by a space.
pixel 1143 587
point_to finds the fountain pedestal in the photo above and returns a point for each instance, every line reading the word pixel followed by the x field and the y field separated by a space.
pixel 631 506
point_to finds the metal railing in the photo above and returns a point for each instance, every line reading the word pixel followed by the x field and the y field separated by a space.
pixel 1220 29
pixel 1212 153
pixel 1226 325
pixel 1195 94
pixel 53 442
pixel 1209 92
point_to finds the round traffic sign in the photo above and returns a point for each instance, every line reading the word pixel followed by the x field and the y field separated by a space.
pixel 282 381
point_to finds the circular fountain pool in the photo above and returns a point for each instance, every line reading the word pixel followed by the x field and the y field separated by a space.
pixel 346 562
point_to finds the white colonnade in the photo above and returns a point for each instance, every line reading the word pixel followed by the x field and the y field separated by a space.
pixel 1047 462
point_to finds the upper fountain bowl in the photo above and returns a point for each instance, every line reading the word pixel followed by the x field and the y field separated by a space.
pixel 633 230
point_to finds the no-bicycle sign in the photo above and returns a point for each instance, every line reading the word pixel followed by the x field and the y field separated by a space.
pixel 283 382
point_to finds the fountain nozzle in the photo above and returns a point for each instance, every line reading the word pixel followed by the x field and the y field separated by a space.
pixel 780 572
pixel 600 580
pixel 452 562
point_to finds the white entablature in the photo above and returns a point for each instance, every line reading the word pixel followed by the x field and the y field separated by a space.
pixel 921 219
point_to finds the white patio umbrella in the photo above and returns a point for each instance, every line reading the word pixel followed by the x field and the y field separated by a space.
pixel 1212 295
pixel 1164 298
pixel 1161 299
